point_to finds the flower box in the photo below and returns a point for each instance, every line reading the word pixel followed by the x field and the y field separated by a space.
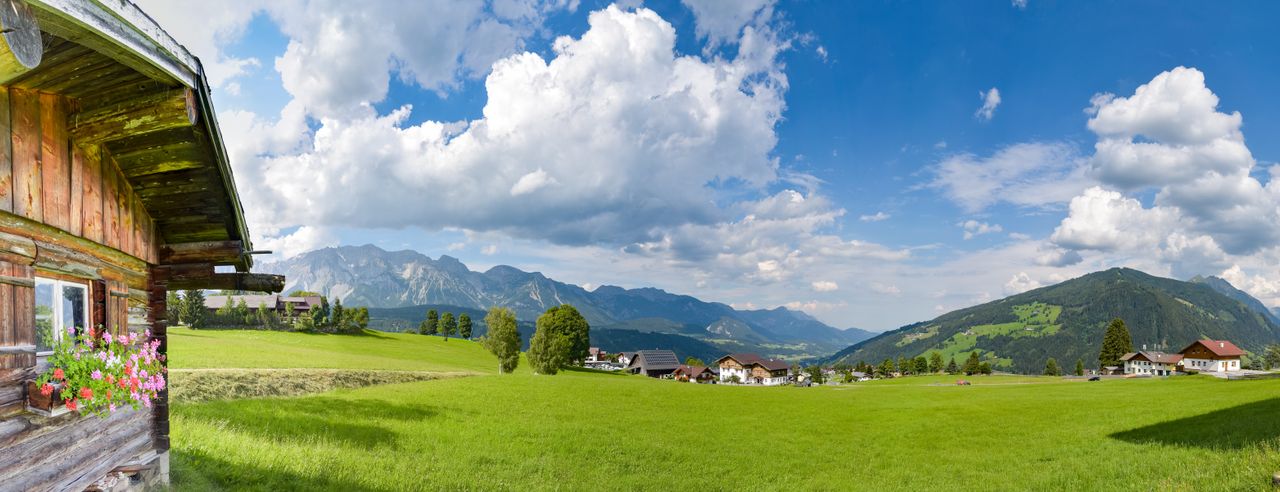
pixel 48 406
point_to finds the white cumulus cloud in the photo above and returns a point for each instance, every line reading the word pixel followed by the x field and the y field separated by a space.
pixel 825 286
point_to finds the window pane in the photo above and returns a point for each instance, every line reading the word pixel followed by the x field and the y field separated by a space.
pixel 73 306
pixel 44 316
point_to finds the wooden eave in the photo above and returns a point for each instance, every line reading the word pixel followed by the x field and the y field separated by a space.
pixel 144 101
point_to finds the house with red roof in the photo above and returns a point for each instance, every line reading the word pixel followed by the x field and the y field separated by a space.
pixel 1144 363
pixel 1211 356
pixel 753 369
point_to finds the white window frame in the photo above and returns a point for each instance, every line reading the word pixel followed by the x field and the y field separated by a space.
pixel 60 331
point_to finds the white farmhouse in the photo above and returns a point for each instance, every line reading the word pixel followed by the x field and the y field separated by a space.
pixel 1145 363
pixel 1211 356
pixel 753 369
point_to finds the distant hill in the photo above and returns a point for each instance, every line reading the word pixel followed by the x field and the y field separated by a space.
pixel 400 285
pixel 1066 321
pixel 1225 288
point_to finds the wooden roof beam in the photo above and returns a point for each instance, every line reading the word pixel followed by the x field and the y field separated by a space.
pixel 21 46
pixel 253 282
pixel 214 252
pixel 155 112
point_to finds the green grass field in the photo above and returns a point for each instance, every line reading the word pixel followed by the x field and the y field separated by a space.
pixel 584 431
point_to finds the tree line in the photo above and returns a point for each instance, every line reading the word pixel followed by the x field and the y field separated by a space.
pixel 446 325
pixel 189 308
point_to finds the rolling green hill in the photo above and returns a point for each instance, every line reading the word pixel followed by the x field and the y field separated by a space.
pixel 1066 321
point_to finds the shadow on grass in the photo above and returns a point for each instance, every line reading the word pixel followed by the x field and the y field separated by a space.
pixel 309 418
pixel 1230 428
pixel 199 471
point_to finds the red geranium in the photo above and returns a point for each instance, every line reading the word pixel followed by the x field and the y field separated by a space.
pixel 86 393
pixel 47 389
pixel 58 374
pixel 71 405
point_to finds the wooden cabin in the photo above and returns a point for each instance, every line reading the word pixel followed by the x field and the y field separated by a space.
pixel 114 188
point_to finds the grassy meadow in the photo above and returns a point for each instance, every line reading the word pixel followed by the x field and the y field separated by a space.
pixel 584 430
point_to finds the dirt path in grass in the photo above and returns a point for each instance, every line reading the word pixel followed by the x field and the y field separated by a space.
pixel 197 385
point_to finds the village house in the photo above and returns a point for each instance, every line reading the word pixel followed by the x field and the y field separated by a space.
pixel 753 369
pixel 115 188
pixel 594 354
pixel 625 358
pixel 1144 363
pixel 1211 356
pixel 653 363
pixel 695 374
pixel 277 303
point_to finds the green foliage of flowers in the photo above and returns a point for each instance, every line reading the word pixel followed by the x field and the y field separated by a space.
pixel 101 373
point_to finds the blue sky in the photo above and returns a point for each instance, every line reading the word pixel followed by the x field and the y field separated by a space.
pixel 827 156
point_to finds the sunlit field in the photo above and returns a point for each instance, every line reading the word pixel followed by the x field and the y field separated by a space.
pixel 579 430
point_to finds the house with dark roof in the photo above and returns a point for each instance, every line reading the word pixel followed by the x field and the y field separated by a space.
pixel 274 302
pixel 653 363
pixel 695 374
pixel 753 369
pixel 1211 356
pixel 1145 363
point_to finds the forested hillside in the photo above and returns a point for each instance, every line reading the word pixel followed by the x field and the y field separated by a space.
pixel 1066 321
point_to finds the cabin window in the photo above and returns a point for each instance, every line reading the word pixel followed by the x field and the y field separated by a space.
pixel 59 304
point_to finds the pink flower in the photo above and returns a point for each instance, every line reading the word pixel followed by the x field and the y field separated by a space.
pixel 111 407
pixel 71 330
pixel 96 374
pixel 107 337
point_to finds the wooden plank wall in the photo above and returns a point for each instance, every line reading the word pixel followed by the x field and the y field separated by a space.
pixel 16 329
pixel 44 176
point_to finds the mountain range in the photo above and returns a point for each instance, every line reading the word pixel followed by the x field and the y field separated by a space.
pixel 404 283
pixel 1066 321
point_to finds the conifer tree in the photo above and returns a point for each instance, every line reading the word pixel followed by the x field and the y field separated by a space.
pixel 193 310
pixel 973 364
pixel 1079 367
pixel 448 325
pixel 1115 343
pixel 431 324
pixel 952 367
pixel 1051 368
pixel 464 325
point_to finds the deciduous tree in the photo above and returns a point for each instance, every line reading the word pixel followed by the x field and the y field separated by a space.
pixel 935 362
pixel 1271 359
pixel 985 368
pixel 693 361
pixel 503 338
pixel 922 365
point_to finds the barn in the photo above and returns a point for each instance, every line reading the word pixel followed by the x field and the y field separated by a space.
pixel 114 188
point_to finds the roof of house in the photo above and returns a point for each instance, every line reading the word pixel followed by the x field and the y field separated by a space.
pixel 694 371
pixel 747 359
pixel 1220 348
pixel 655 360
pixel 1157 357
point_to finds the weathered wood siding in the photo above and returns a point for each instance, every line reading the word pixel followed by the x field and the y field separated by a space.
pixel 99 233
pixel 45 176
